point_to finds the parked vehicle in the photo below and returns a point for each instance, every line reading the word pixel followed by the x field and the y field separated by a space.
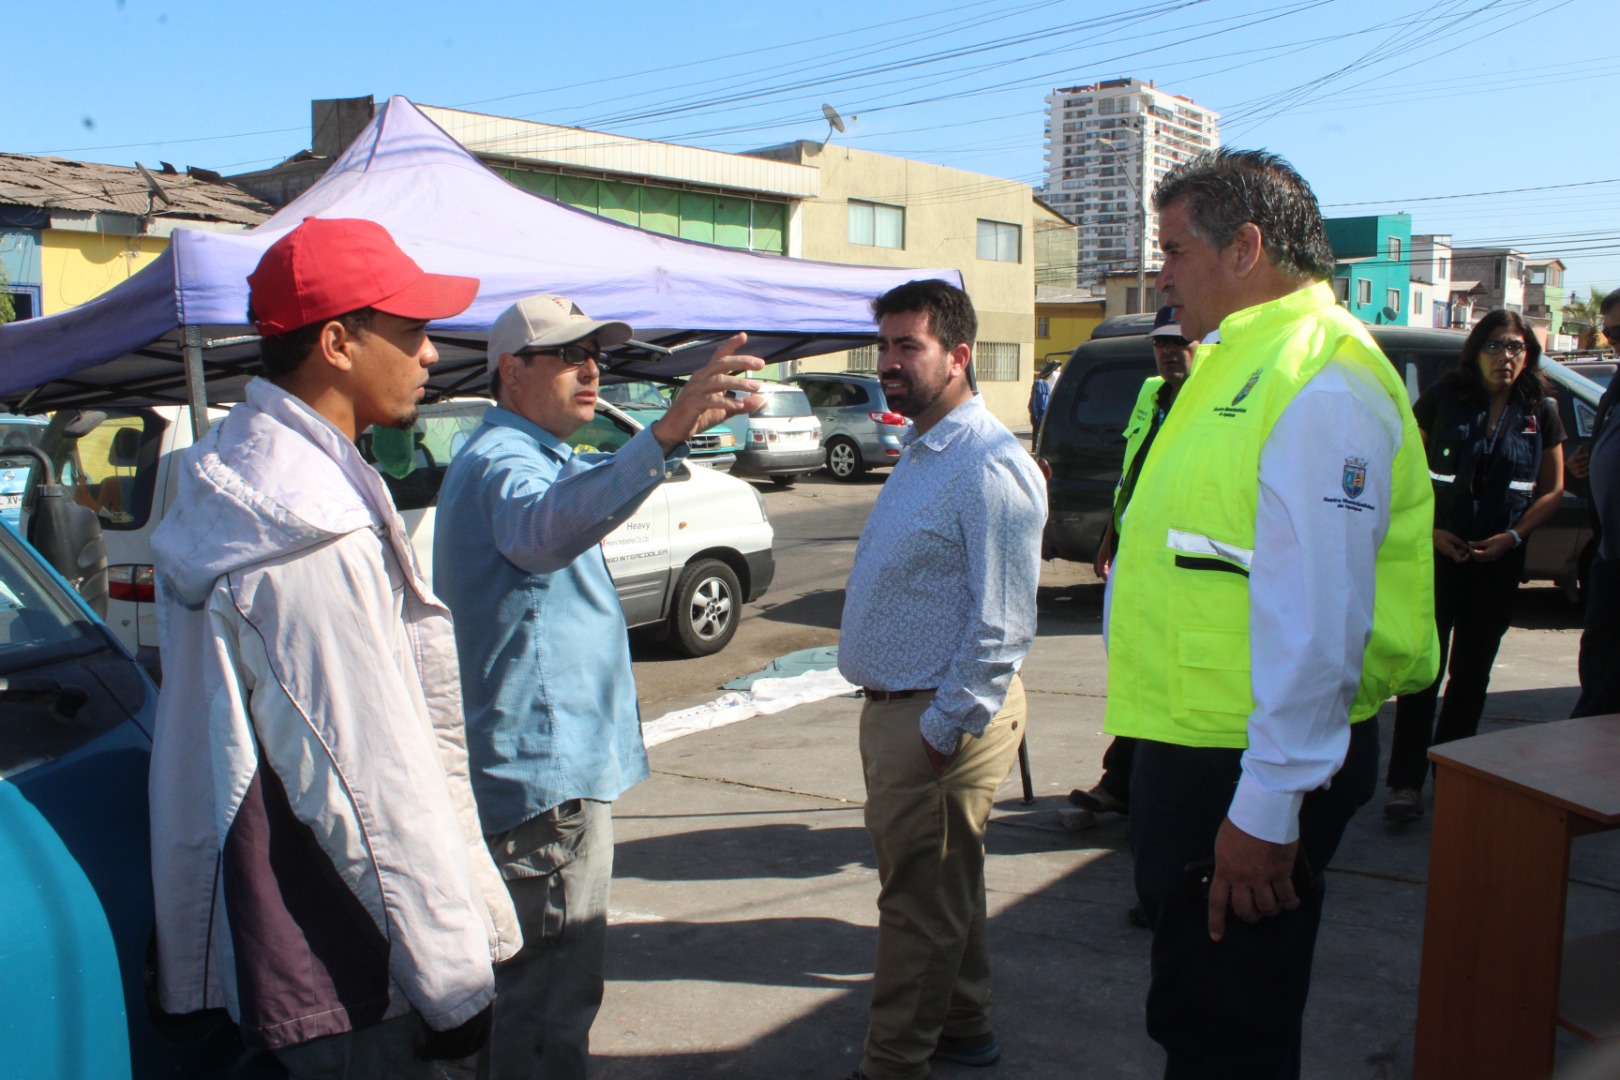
pixel 646 402
pixel 858 429
pixel 1599 371
pixel 76 716
pixel 1081 444
pixel 15 469
pixel 684 564
pixel 782 440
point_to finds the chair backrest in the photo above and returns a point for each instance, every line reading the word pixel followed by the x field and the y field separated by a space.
pixel 124 452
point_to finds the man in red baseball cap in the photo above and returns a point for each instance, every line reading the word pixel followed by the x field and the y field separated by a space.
pixel 317 857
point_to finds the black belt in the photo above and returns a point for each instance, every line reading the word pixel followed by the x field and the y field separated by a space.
pixel 891 695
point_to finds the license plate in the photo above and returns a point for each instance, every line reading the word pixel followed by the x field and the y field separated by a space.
pixel 10 502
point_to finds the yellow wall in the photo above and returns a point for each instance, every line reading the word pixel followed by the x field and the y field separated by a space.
pixel 1065 331
pixel 942 210
pixel 78 266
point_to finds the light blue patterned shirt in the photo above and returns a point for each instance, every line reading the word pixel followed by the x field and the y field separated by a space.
pixel 545 658
pixel 942 596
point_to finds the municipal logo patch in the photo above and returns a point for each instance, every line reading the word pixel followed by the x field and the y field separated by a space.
pixel 1355 476
pixel 1243 393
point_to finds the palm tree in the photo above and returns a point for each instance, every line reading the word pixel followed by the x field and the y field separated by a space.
pixel 1586 314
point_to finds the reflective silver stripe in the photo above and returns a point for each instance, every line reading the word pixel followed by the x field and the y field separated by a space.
pixel 1195 544
pixel 1526 486
pixel 1452 479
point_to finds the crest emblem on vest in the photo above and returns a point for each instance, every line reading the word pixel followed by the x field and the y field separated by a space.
pixel 1243 393
pixel 1355 476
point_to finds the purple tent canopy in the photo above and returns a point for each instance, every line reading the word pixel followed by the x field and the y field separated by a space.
pixel 454 216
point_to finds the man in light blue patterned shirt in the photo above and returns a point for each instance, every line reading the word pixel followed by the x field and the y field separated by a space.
pixel 553 727
pixel 939 612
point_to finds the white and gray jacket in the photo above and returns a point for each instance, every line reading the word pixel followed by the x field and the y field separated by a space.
pixel 317 858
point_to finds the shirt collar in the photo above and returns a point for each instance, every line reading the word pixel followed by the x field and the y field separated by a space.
pixel 950 425
pixel 506 418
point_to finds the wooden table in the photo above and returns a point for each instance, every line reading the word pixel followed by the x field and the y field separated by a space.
pixel 1506 807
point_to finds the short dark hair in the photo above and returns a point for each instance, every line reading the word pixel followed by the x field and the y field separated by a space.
pixel 1610 302
pixel 950 312
pixel 1529 387
pixel 282 354
pixel 1225 189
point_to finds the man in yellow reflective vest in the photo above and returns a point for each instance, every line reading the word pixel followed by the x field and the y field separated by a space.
pixel 1270 591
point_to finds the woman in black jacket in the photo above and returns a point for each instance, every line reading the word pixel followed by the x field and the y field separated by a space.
pixel 1496 457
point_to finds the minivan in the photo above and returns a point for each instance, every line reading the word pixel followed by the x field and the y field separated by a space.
pixel 1081 445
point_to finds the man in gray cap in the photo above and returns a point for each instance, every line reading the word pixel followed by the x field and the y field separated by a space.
pixel 553 728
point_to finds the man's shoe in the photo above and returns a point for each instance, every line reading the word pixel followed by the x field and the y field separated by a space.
pixel 969 1050
pixel 1098 800
pixel 1405 805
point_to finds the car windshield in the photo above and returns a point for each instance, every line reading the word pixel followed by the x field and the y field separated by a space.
pixel 37 625
pixel 785 403
pixel 636 395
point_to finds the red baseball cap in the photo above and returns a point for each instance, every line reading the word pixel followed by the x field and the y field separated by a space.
pixel 328 266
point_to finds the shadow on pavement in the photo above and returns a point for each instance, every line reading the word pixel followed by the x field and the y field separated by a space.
pixel 824 608
pixel 785 850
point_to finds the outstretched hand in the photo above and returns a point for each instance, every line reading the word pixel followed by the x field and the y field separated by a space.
pixel 708 396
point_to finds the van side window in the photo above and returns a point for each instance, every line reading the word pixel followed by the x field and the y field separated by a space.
pixel 109 457
pixel 1105 397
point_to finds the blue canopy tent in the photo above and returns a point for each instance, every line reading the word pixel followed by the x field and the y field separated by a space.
pixel 177 331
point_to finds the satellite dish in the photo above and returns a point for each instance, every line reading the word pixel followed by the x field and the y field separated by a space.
pixel 154 190
pixel 834 123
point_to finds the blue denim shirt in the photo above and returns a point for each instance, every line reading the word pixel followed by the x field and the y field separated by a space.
pixel 942 595
pixel 545 657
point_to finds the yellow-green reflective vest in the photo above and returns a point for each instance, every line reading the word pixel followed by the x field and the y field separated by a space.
pixel 1136 430
pixel 1178 644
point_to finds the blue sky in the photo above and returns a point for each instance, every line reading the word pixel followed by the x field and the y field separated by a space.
pixel 1481 118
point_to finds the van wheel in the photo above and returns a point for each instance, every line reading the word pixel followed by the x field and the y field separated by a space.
pixel 783 479
pixel 708 602
pixel 844 460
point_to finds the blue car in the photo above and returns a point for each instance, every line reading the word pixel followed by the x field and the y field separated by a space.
pixel 76 715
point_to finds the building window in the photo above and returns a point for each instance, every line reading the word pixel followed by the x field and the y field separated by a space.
pixel 996 361
pixel 876 225
pixel 864 358
pixel 1363 291
pixel 1417 303
pixel 1394 249
pixel 1043 326
pixel 1392 300
pixel 998 241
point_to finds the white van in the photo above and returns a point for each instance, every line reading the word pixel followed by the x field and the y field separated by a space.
pixel 695 552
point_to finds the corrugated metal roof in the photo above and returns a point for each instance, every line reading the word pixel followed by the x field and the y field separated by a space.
pixel 91 187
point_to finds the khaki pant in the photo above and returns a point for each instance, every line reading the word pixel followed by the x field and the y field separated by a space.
pixel 932 973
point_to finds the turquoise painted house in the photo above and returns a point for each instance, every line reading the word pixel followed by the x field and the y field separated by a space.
pixel 1372 272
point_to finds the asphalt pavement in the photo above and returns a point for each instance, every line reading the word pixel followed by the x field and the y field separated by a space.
pixel 742 931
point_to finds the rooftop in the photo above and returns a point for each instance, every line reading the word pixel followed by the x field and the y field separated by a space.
pixel 88 187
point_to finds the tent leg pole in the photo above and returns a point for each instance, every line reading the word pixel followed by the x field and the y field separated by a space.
pixel 195 388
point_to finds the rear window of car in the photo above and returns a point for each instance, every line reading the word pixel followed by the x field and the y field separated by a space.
pixel 1107 394
pixel 785 403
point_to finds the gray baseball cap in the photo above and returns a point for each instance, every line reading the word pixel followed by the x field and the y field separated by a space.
pixel 545 321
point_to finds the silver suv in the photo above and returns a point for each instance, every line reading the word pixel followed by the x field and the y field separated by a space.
pixel 858 429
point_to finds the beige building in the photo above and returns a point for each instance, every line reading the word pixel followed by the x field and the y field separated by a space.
pixel 803 200
pixel 889 211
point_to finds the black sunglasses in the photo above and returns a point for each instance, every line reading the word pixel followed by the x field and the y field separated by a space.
pixel 1165 341
pixel 572 355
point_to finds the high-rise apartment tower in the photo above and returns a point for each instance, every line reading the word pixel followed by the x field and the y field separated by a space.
pixel 1106 147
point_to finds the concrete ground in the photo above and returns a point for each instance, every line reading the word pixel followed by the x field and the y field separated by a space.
pixel 743 901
